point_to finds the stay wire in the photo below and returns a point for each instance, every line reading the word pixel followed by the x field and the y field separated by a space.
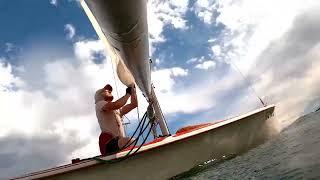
pixel 249 83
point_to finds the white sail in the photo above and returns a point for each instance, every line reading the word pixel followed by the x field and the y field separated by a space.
pixel 122 71
pixel 122 26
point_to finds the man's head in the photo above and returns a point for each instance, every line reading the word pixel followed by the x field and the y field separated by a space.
pixel 104 94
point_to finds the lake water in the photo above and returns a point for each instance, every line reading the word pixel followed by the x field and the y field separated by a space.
pixel 293 154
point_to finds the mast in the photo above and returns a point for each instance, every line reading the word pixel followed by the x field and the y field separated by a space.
pixel 122 26
pixel 159 115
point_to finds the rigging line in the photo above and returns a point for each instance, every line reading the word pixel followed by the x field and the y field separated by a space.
pixel 142 130
pixel 116 85
pixel 249 83
pixel 142 122
pixel 144 139
pixel 138 113
pixel 129 154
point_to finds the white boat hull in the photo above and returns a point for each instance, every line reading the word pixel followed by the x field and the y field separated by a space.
pixel 175 154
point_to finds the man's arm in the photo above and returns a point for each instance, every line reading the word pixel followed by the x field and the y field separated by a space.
pixel 117 104
pixel 133 104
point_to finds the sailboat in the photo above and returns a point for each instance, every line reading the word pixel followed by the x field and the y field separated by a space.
pixel 122 27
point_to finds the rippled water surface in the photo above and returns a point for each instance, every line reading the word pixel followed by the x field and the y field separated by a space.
pixel 293 154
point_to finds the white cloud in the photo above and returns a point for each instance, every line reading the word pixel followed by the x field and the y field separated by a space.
pixel 196 60
pixel 192 60
pixel 7 79
pixel 54 2
pixel 161 13
pixel 158 61
pixel 205 10
pixel 177 71
pixel 250 28
pixel 202 63
pixel 16 112
pixel 206 65
pixel 212 40
pixel 64 107
pixel 216 50
pixel 85 50
pixel 203 3
pixel 71 31
pixel 290 67
pixel 19 112
pixel 256 40
pixel 292 97
pixel 203 93
pixel 164 78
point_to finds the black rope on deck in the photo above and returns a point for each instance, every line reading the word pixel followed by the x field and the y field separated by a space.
pixel 142 126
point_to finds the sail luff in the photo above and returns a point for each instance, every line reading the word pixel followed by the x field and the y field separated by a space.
pixel 124 75
pixel 122 25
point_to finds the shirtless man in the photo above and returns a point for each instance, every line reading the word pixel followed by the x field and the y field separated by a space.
pixel 109 114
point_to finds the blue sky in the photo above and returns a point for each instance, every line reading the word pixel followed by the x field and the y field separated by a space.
pixel 51 63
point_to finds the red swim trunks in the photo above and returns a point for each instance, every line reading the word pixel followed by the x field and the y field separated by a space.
pixel 108 144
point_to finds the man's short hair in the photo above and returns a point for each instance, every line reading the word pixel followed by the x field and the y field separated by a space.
pixel 98 96
pixel 108 87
